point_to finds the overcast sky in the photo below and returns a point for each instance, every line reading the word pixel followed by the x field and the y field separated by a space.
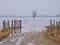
pixel 26 7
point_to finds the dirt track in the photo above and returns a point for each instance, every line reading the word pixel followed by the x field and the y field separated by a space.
pixel 31 38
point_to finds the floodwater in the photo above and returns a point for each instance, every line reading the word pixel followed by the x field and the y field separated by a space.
pixel 30 23
pixel 31 31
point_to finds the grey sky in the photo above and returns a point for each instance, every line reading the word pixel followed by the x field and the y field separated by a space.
pixel 25 7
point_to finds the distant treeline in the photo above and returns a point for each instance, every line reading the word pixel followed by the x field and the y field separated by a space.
pixel 29 16
pixel 49 16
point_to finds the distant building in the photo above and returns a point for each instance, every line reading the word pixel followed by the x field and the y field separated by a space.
pixel 34 13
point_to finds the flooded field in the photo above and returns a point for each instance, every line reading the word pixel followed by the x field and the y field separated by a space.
pixel 33 32
pixel 30 23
